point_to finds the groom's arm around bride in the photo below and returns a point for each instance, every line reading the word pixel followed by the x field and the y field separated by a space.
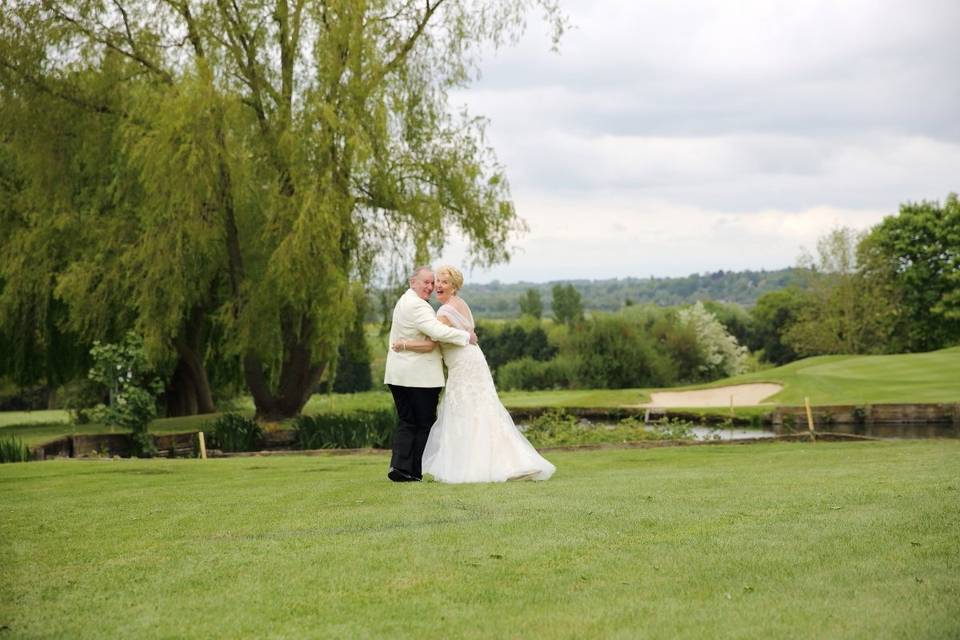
pixel 415 379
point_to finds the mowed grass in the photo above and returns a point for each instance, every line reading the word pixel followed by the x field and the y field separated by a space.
pixel 851 540
pixel 901 378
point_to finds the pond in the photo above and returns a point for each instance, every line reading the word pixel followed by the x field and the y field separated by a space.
pixel 888 431
pixel 899 431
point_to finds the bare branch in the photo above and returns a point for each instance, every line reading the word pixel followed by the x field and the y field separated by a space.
pixel 407 46
pixel 105 41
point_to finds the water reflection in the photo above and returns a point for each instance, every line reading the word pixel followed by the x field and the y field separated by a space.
pixel 712 433
pixel 907 431
pixel 887 431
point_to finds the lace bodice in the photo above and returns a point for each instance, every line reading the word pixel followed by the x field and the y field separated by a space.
pixel 454 355
pixel 457 319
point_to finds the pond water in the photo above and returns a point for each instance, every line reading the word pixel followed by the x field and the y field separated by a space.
pixel 711 433
pixel 906 431
pixel 889 431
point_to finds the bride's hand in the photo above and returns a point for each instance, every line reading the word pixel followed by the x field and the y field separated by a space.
pixel 399 345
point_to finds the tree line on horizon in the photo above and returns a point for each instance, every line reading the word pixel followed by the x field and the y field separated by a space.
pixel 891 289
pixel 506 300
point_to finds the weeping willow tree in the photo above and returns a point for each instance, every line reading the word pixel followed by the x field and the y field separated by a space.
pixel 263 155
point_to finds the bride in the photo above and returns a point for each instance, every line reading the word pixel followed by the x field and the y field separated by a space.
pixel 474 438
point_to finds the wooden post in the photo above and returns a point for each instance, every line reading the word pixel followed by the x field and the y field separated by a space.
pixel 813 437
pixel 203 445
pixel 731 407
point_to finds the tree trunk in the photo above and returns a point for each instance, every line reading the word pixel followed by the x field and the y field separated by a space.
pixel 189 392
pixel 181 396
pixel 195 376
pixel 298 375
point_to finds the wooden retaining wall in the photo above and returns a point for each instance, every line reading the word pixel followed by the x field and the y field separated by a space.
pixel 177 445
pixel 874 414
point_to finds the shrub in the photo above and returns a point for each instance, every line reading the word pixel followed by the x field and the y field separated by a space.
pixel 512 341
pixel 722 354
pixel 233 432
pixel 79 397
pixel 614 352
pixel 529 374
pixel 124 371
pixel 353 430
pixel 12 449
pixel 558 428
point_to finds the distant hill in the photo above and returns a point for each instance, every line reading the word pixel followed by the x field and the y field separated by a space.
pixel 742 287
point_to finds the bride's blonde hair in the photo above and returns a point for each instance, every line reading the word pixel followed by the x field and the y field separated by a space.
pixel 456 278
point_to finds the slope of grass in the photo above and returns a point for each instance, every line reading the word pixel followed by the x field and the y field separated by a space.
pixel 773 541
pixel 906 378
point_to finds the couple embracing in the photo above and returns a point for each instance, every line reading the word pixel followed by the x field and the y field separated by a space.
pixel 471 437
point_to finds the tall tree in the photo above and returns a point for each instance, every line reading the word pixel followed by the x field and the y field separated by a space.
pixel 531 304
pixel 842 311
pixel 774 315
pixel 277 148
pixel 567 306
pixel 915 257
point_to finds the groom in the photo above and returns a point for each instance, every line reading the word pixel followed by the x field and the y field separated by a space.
pixel 415 379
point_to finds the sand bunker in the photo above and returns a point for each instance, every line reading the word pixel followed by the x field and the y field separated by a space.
pixel 744 395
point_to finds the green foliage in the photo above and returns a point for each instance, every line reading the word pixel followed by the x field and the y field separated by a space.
pixel 502 300
pixel 529 374
pixel 510 341
pixel 559 428
pixel 234 432
pixel 79 398
pixel 720 355
pixel 350 430
pixel 531 304
pixel 615 352
pixel 12 449
pixel 353 359
pixel 773 315
pixel 736 319
pixel 567 305
pixel 122 368
pixel 914 257
pixel 639 346
pixel 222 172
pixel 842 311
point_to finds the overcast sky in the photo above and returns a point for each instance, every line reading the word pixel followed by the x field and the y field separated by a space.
pixel 670 137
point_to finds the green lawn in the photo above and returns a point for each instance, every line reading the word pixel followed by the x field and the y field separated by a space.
pixel 906 378
pixel 851 540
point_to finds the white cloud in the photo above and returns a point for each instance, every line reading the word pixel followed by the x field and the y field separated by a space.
pixel 679 136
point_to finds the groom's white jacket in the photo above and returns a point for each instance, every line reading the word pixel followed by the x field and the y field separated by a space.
pixel 415 319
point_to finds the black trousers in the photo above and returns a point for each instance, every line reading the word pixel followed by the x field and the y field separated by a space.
pixel 417 410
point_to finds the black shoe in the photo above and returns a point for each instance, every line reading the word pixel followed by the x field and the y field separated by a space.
pixel 401 476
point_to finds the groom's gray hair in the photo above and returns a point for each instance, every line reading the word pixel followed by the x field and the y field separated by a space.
pixel 416 271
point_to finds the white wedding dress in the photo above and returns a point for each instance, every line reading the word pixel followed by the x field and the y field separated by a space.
pixel 474 438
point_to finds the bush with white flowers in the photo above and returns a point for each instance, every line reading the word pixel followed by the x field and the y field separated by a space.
pixel 124 370
pixel 721 354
